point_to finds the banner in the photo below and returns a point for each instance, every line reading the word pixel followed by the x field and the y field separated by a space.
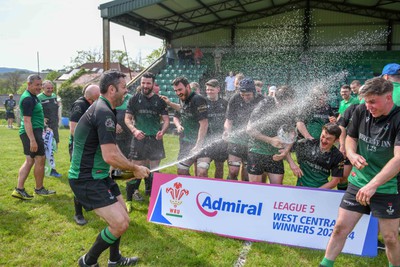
pixel 295 216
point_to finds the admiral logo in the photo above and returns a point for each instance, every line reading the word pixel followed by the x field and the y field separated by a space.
pixel 210 207
pixel 176 192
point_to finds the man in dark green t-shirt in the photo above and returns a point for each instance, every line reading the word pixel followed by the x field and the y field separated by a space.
pixel 319 159
pixel 144 111
pixel 373 148
pixel 191 121
pixel 51 117
pixel 347 99
pixel 94 151
pixel 30 132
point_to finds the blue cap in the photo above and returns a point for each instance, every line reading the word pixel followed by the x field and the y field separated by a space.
pixel 247 85
pixel 391 69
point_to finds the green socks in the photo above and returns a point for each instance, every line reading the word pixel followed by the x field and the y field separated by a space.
pixel 327 263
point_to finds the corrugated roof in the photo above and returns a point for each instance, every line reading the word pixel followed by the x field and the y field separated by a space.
pixel 171 19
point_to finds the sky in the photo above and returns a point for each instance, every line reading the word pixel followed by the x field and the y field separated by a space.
pixel 56 30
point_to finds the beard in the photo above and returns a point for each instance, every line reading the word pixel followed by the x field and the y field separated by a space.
pixel 147 91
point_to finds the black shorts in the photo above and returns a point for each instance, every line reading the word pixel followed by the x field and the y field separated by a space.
pixel 26 143
pixel 386 206
pixel 218 151
pixel 257 164
pixel 237 150
pixel 149 148
pixel 347 162
pixel 95 193
pixel 10 115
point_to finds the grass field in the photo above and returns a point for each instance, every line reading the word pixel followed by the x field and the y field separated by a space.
pixel 42 232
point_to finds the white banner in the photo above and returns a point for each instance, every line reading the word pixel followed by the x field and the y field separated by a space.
pixel 259 212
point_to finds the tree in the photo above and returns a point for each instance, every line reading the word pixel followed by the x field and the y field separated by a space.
pixel 88 56
pixel 154 55
pixel 13 81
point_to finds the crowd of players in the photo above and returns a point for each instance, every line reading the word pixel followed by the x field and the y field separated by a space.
pixel 248 130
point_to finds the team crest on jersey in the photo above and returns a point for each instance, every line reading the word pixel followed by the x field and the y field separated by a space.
pixel 76 109
pixel 110 124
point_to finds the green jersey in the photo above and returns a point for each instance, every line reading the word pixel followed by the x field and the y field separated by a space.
pixel 95 128
pixel 316 165
pixel 377 138
pixel 146 112
pixel 193 110
pixel 396 93
pixel 345 104
pixel 30 106
pixel 50 109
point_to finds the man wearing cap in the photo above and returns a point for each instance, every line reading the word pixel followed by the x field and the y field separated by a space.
pixel 391 72
pixel 191 121
pixel 217 148
pixel 238 113
pixel 373 148
pixel 10 104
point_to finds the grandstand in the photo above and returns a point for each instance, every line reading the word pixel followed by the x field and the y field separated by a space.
pixel 276 41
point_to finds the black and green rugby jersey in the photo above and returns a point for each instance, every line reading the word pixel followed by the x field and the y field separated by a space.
pixel 50 108
pixel 316 165
pixel 30 106
pixel 96 127
pixel 346 118
pixel 193 110
pixel 216 118
pixel 267 120
pixel 377 138
pixel 315 118
pixel 147 112
pixel 78 108
pixel 239 113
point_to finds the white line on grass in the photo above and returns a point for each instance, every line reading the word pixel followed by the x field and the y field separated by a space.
pixel 241 261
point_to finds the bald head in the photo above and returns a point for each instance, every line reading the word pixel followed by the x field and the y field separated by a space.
pixel 92 93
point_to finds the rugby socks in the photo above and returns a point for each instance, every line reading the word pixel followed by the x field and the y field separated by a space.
pixel 103 241
pixel 391 265
pixel 131 187
pixel 78 207
pixel 326 263
pixel 114 251
pixel 342 186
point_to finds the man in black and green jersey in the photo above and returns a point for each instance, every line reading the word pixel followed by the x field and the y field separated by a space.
pixel 90 94
pixel 94 151
pixel 310 122
pixel 191 122
pixel 216 148
pixel 142 118
pixel 30 133
pixel 238 113
pixel 266 149
pixel 51 118
pixel 373 148
pixel 343 122
pixel 320 159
